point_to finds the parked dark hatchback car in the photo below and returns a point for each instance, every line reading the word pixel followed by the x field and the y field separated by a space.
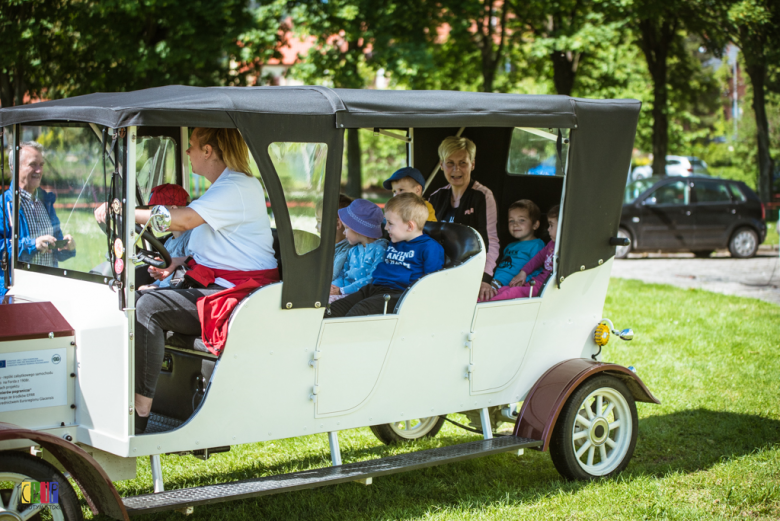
pixel 696 214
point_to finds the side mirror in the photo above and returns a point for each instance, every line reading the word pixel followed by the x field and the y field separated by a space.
pixel 626 334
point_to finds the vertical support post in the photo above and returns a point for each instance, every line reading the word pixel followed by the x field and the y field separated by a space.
pixel 185 160
pixel 335 451
pixel 487 430
pixel 157 477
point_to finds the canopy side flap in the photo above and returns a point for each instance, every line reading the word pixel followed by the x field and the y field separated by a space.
pixel 599 161
pixel 306 277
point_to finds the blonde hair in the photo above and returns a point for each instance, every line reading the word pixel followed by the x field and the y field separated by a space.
pixel 410 207
pixel 229 146
pixel 453 144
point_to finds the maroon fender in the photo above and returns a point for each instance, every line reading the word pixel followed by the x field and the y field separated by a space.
pixel 94 483
pixel 548 396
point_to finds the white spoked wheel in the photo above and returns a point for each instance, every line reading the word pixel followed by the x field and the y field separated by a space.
pixel 408 430
pixel 597 430
pixel 744 243
pixel 16 501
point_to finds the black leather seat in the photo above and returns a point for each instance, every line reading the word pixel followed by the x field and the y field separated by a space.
pixel 460 242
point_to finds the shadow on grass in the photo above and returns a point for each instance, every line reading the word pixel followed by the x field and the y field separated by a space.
pixel 694 440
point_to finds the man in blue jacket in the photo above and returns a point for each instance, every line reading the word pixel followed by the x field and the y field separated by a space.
pixel 39 226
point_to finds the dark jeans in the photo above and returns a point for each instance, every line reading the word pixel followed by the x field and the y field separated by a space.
pixel 158 311
pixel 368 300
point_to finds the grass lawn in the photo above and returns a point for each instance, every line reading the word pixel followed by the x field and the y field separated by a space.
pixel 711 450
pixel 771 233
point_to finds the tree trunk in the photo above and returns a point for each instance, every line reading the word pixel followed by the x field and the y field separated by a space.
pixel 757 73
pixel 655 42
pixel 354 174
pixel 564 70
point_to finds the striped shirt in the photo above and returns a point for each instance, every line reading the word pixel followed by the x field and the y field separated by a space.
pixel 40 224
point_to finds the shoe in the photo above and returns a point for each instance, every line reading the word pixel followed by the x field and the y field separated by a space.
pixel 140 424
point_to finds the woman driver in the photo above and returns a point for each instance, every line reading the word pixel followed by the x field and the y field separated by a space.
pixel 231 237
pixel 466 201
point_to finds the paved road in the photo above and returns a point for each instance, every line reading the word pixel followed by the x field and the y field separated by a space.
pixel 720 273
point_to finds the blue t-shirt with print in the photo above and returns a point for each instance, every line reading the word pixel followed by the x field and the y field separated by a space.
pixel 407 261
pixel 516 255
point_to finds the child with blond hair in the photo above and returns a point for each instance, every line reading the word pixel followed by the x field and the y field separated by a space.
pixel 410 256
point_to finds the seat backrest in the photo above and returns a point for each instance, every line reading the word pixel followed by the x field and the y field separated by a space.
pixel 460 242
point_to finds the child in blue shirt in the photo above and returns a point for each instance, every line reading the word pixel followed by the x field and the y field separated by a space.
pixel 523 222
pixel 410 256
pixel 362 222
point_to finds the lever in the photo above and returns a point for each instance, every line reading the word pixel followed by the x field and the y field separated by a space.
pixel 387 299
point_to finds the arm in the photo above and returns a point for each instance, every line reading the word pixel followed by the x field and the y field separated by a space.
pixel 433 259
pixel 488 221
pixel 538 259
pixel 181 218
pixel 359 283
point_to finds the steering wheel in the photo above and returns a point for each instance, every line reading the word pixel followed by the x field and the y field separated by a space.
pixel 158 250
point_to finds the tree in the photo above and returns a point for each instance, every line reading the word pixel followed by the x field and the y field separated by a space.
pixel 58 48
pixel 755 27
pixel 355 38
pixel 40 48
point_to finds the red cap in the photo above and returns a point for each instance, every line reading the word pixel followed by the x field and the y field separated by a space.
pixel 169 195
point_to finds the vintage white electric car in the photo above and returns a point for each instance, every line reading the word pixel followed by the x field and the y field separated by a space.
pixel 67 324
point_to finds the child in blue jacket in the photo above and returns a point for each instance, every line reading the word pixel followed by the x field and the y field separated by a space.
pixel 362 222
pixel 410 256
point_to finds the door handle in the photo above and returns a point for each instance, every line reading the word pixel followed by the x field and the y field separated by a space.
pixel 687 212
pixel 733 211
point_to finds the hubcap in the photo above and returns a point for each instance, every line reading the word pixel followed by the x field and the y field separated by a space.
pixel 622 250
pixel 11 506
pixel 602 430
pixel 744 243
pixel 415 428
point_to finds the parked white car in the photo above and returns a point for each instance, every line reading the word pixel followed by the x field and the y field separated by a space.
pixel 675 166
pixel 67 352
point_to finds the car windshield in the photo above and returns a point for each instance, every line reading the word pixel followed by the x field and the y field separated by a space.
pixel 637 188
pixel 61 183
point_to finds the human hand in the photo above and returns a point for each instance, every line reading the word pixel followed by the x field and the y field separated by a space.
pixel 163 273
pixel 44 242
pixel 71 246
pixel 519 279
pixel 100 213
pixel 486 292
pixel 335 290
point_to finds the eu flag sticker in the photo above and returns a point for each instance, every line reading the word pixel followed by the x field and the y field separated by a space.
pixel 2 363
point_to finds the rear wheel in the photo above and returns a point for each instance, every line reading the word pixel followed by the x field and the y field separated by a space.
pixel 18 467
pixel 408 430
pixel 596 432
pixel 702 254
pixel 621 252
pixel 744 243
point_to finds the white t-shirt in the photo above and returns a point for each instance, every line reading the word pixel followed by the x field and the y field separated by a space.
pixel 237 233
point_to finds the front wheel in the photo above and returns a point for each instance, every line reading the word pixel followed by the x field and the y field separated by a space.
pixel 596 432
pixel 17 502
pixel 408 430
pixel 744 243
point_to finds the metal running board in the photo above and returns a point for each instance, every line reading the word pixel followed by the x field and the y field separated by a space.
pixel 187 497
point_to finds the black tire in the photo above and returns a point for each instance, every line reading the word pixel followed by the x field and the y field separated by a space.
pixel 583 403
pixel 702 254
pixel 35 469
pixel 621 252
pixel 390 434
pixel 743 243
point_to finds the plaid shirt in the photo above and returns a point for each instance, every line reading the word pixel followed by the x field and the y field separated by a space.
pixel 40 224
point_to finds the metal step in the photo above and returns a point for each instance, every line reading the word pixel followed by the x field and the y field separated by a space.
pixel 177 499
pixel 159 423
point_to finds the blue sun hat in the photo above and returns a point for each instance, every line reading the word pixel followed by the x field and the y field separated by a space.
pixel 363 217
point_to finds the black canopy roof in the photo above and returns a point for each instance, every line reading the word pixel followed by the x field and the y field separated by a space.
pixel 178 105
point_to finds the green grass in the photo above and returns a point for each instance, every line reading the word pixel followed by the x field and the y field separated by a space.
pixel 711 450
